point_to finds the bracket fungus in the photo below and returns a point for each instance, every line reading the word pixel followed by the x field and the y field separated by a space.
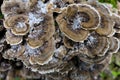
pixel 13 39
pixel 59 38
pixel 12 7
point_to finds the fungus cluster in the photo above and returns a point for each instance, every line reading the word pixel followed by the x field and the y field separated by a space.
pixel 70 39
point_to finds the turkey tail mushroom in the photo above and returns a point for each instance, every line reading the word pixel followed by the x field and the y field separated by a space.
pixel 13 39
pixel 114 45
pixel 74 31
pixel 45 55
pixel 96 45
pixel 13 7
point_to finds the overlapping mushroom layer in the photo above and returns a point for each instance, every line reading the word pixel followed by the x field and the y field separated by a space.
pixel 30 30
pixel 48 43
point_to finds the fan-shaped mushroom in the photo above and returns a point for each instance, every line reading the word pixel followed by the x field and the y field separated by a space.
pixel 13 7
pixel 93 17
pixel 106 26
pixel 116 19
pixel 41 32
pixel 101 7
pixel 96 45
pixel 15 52
pixel 43 54
pixel 73 32
pixel 114 45
pixel 12 39
pixel 18 24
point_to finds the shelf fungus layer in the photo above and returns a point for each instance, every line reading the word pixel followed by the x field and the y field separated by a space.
pixel 18 24
pixel 96 45
pixel 12 7
pixel 13 39
pixel 61 39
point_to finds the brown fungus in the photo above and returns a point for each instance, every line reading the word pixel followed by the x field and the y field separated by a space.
pixel 41 33
pixel 42 26
pixel 92 14
pixel 43 54
pixel 13 39
pixel 106 26
pixel 78 34
pixel 13 7
pixel 114 45
pixel 116 19
pixel 18 24
pixel 96 45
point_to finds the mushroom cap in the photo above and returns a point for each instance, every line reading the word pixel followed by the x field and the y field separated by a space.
pixel 106 26
pixel 44 53
pixel 93 16
pixel 13 7
pixel 114 45
pixel 75 35
pixel 14 52
pixel 12 39
pixel 53 66
pixel 96 45
pixel 18 24
pixel 42 32
pixel 116 19
pixel 101 7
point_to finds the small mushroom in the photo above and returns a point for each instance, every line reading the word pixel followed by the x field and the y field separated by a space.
pixel 41 32
pixel 14 52
pixel 18 24
pixel 114 45
pixel 101 7
pixel 96 45
pixel 43 54
pixel 116 19
pixel 106 26
pixel 93 17
pixel 12 39
pixel 13 7
pixel 73 32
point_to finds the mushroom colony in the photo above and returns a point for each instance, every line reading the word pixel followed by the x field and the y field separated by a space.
pixel 63 39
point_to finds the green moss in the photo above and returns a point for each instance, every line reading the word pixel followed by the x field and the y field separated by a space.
pixel 1 15
pixel 113 2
